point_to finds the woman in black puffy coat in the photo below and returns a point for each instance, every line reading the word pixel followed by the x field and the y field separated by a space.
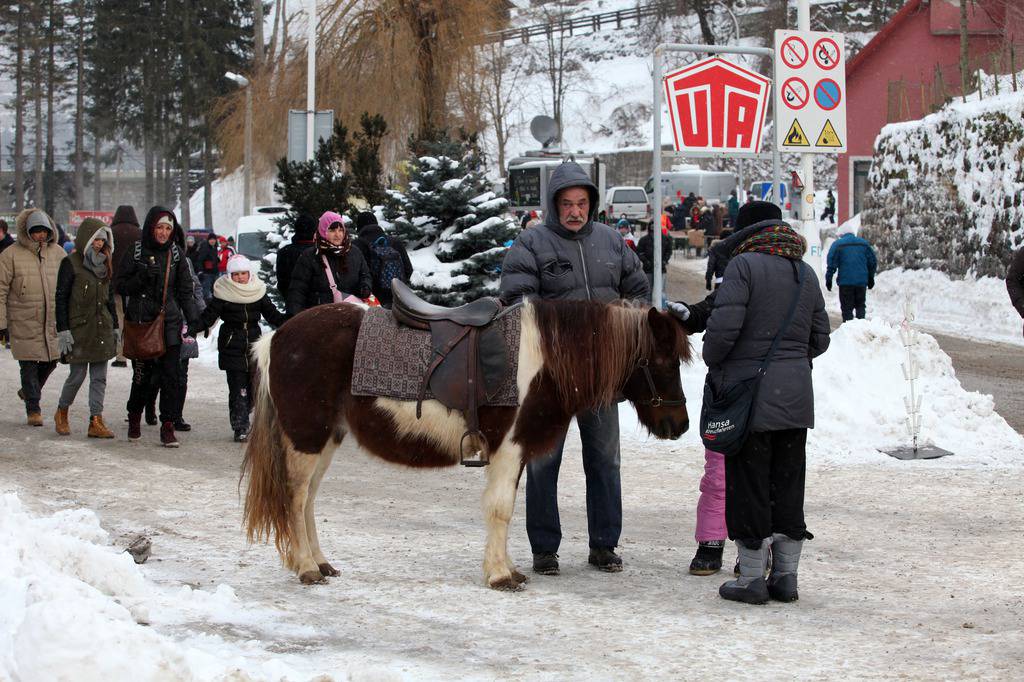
pixel 141 278
pixel 330 271
pixel 240 300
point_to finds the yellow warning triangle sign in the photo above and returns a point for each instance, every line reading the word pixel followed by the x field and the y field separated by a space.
pixel 796 136
pixel 828 136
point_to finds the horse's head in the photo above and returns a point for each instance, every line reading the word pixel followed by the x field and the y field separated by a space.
pixel 654 386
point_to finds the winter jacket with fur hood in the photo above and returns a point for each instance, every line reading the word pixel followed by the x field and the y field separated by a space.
pixel 85 302
pixel 28 282
pixel 555 263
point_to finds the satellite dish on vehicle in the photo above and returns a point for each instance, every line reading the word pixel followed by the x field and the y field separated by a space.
pixel 544 129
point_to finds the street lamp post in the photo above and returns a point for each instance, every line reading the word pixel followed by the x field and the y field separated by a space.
pixel 247 165
pixel 311 81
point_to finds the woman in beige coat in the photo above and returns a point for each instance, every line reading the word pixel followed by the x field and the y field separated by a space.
pixel 28 282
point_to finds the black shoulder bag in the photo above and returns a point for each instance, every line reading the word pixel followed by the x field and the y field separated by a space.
pixel 725 419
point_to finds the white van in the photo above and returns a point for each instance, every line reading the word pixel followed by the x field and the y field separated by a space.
pixel 249 230
pixel 629 202
pixel 714 186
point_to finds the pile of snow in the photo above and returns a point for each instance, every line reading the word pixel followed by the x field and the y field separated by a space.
pixel 971 308
pixel 859 410
pixel 71 602
pixel 227 194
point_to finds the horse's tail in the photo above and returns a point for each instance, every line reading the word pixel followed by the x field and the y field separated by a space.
pixel 267 500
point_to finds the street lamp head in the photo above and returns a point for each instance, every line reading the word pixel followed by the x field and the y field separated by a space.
pixel 236 78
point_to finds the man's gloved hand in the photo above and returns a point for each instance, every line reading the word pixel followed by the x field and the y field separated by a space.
pixel 679 310
pixel 65 342
pixel 871 282
pixel 153 270
pixel 828 284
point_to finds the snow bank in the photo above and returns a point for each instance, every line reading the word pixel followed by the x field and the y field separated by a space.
pixel 972 308
pixel 73 607
pixel 227 195
pixel 858 392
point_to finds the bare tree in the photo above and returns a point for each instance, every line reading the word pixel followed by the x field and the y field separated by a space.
pixel 37 96
pixel 965 67
pixel 79 188
pixel 257 24
pixel 503 72
pixel 19 110
pixel 558 59
pixel 705 14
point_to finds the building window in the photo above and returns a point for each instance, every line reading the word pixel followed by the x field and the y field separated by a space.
pixel 860 184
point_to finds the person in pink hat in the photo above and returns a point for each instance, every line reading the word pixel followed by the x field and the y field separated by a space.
pixel 331 271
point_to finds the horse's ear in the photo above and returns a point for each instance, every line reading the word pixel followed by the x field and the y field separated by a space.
pixel 669 332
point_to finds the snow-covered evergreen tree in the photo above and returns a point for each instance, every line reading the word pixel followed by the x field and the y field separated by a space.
pixel 451 217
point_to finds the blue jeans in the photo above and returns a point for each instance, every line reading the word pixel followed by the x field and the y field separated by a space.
pixel 599 432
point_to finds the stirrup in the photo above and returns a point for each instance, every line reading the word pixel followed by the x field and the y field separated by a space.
pixel 478 455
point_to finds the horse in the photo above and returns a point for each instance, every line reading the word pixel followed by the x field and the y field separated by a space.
pixel 573 356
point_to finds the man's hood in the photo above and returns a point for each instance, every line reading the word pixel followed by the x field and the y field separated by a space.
pixel 569 174
pixel 21 228
pixel 125 214
pixel 90 229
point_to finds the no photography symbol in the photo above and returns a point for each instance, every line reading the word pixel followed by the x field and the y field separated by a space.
pixel 827 94
pixel 794 52
pixel 795 93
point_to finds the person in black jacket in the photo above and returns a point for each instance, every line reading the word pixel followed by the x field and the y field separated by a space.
pixel 288 256
pixel 330 271
pixel 157 259
pixel 239 300
pixel 645 249
pixel 385 256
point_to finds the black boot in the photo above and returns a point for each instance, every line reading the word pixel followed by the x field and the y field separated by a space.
pixel 605 559
pixel 241 435
pixel 181 425
pixel 750 587
pixel 151 414
pixel 708 559
pixel 545 563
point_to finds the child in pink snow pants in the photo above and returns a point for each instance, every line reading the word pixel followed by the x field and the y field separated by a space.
pixel 711 531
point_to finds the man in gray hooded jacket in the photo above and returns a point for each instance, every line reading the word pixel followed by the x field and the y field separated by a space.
pixel 572 256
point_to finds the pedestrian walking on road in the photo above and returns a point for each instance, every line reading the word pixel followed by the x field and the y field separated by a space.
pixel 766 280
pixel 28 321
pixel 645 250
pixel 1015 281
pixel 854 260
pixel 830 208
pixel 734 209
pixel 5 236
pixel 330 271
pixel 157 278
pixel 711 532
pixel 571 257
pixel 87 328
pixel 126 231
pixel 240 300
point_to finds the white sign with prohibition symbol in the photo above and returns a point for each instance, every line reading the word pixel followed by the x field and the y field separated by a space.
pixel 810 104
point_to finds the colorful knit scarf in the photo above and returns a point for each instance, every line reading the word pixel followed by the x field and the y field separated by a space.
pixel 777 240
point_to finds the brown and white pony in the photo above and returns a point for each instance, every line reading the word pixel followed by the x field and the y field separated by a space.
pixel 573 356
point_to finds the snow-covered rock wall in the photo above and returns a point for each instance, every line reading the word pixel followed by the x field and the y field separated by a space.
pixel 946 190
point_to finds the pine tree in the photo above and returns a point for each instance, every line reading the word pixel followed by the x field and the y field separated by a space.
pixel 451 210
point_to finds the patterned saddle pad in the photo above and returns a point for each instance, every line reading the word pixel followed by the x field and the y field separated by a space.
pixel 391 359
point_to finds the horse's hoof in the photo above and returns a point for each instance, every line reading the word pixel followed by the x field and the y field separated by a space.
pixel 327 570
pixel 518 578
pixel 507 584
pixel 312 578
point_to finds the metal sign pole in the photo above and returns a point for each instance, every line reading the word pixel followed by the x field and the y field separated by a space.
pixel 807 208
pixel 656 291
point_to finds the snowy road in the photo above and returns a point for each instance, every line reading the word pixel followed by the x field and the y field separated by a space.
pixel 914 571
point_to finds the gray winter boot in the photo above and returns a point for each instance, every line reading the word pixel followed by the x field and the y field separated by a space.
pixel 786 559
pixel 750 587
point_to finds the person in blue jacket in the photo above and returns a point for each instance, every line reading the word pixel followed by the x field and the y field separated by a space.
pixel 854 260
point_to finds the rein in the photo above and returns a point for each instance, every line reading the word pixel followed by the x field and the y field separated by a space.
pixel 656 399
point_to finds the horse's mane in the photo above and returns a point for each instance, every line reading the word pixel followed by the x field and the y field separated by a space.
pixel 591 348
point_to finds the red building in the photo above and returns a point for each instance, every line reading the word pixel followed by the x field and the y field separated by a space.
pixel 911 67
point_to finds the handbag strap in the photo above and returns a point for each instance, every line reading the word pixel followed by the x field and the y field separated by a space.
pixel 167 279
pixel 799 267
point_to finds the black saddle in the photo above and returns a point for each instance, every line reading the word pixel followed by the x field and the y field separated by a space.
pixel 469 359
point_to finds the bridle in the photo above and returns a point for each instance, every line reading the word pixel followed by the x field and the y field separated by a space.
pixel 656 400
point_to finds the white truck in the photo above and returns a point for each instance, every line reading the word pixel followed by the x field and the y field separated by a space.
pixel 714 186
pixel 528 178
pixel 249 230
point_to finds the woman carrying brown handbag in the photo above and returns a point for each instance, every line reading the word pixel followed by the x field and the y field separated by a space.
pixel 156 282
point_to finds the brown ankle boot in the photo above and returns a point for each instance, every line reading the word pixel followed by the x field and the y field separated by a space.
pixel 60 421
pixel 34 419
pixel 97 429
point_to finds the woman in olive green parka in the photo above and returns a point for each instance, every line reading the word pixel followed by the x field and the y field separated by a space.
pixel 86 323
